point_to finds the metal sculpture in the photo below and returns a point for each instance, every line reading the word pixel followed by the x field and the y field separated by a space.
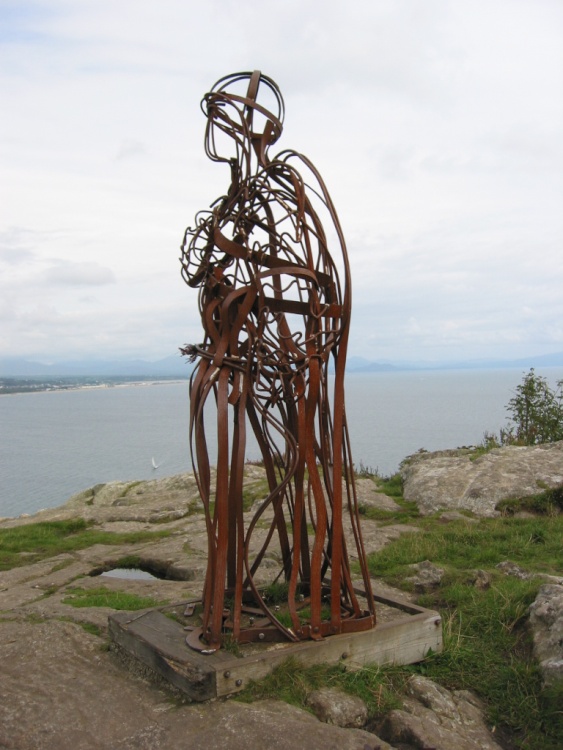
pixel 276 317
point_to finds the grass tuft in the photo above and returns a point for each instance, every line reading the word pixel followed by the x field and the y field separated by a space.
pixel 102 597
pixel 548 503
pixel 292 682
pixel 32 542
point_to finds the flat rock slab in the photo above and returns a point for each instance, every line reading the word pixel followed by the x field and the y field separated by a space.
pixel 451 480
pixel 60 687
pixel 60 691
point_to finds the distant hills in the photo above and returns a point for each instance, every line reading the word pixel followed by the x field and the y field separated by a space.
pixel 169 366
pixel 177 366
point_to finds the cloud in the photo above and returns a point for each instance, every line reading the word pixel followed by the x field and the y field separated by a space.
pixel 435 126
pixel 79 274
pixel 130 148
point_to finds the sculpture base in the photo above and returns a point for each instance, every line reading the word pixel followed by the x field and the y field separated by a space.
pixel 405 633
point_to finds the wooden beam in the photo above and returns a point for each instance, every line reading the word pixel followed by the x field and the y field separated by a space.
pixel 159 642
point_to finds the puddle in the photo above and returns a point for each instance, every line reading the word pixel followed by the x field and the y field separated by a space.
pixel 135 573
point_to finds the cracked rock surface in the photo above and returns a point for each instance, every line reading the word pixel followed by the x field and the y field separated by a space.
pixel 60 686
pixel 450 480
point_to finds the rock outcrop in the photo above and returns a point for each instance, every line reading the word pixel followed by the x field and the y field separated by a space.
pixel 60 691
pixel 427 576
pixel 433 717
pixel 448 480
pixel 546 623
pixel 61 688
pixel 335 707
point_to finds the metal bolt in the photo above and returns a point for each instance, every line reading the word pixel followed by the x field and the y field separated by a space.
pixel 226 674
pixel 437 622
pixel 261 636
pixel 251 620
pixel 344 655
pixel 238 683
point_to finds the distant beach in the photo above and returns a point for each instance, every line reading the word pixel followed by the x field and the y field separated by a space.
pixel 12 386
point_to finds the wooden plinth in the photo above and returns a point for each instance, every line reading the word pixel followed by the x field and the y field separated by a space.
pixel 405 636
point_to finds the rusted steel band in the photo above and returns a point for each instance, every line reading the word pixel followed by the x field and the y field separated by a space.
pixel 275 315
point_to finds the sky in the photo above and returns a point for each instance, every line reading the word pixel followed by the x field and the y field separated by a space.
pixel 436 124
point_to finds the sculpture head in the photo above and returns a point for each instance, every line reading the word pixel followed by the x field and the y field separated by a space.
pixel 247 107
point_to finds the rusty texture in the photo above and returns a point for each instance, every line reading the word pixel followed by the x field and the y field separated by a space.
pixel 271 266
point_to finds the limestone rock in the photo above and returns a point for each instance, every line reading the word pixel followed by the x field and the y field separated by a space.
pixel 428 576
pixel 510 568
pixel 546 623
pixel 433 717
pixel 370 496
pixel 481 579
pixel 450 480
pixel 335 707
pixel 60 691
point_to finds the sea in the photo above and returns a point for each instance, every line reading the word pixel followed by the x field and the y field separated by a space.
pixel 54 444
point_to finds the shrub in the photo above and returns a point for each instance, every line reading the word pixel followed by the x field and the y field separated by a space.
pixel 536 412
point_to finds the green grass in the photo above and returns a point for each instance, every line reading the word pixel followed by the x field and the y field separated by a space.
pixel 407 511
pixel 487 647
pixel 253 492
pixel 292 682
pixel 102 597
pixel 89 627
pixel 23 545
pixel 392 486
pixel 534 543
pixel 549 502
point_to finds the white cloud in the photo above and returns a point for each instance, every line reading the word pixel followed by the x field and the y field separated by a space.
pixel 436 126
pixel 79 274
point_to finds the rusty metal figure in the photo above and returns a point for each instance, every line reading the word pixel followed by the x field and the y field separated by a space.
pixel 276 317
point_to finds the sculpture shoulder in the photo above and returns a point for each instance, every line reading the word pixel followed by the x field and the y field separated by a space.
pixel 303 175
pixel 302 169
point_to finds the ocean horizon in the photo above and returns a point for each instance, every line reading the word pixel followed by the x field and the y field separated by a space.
pixel 55 444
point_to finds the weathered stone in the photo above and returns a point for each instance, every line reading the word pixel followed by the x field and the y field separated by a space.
pixel 369 496
pixel 451 480
pixel 546 623
pixel 510 568
pixel 428 576
pixel 332 706
pixel 481 579
pixel 60 691
pixel 433 717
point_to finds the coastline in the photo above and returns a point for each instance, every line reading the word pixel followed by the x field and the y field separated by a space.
pixel 75 385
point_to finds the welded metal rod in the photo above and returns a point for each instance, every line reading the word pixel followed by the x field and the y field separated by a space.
pixel 271 266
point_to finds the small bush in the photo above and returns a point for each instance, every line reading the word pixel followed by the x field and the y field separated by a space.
pixel 536 412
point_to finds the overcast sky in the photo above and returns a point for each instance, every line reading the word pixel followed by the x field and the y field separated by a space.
pixel 436 124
